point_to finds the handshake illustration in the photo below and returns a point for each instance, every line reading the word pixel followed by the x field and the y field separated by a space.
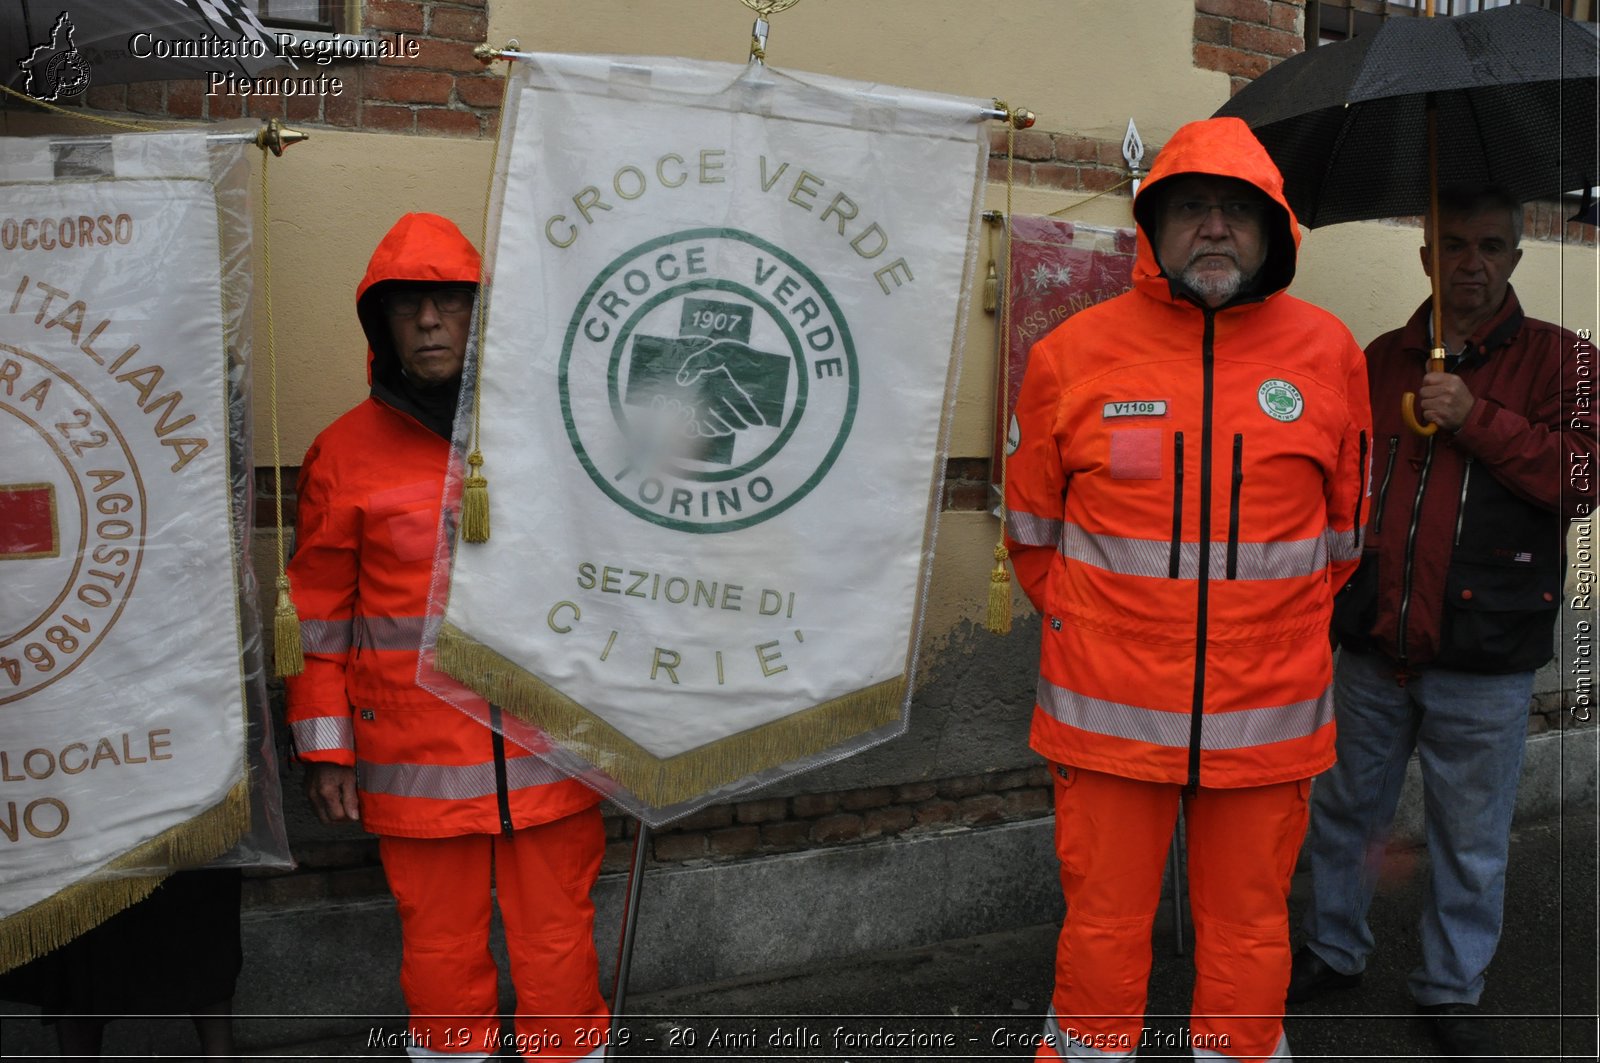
pixel 700 389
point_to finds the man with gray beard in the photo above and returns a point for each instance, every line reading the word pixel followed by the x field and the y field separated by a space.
pixel 1184 500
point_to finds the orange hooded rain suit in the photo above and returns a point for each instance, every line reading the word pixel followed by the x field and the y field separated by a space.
pixel 1185 499
pixel 455 804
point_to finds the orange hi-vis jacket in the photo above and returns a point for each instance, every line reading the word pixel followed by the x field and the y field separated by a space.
pixel 369 503
pixel 1184 501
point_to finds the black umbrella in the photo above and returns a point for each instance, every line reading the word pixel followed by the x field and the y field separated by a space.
pixel 1515 92
pixel 1365 128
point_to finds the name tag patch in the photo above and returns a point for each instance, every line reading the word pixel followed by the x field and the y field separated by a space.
pixel 1135 408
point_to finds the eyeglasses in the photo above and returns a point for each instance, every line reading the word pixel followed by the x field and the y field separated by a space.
pixel 407 302
pixel 1234 211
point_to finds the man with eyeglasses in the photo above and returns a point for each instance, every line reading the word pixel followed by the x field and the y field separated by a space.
pixel 1450 614
pixel 1183 502
pixel 459 810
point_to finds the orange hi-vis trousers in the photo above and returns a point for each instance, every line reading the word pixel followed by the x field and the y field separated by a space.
pixel 542 876
pixel 1112 837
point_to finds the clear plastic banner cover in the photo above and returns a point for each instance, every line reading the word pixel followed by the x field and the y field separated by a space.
pixel 134 733
pixel 721 322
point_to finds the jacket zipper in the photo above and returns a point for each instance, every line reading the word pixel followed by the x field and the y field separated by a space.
pixel 1411 546
pixel 1461 506
pixel 1383 490
pixel 1175 557
pixel 1361 485
pixel 502 791
pixel 1203 584
pixel 1233 505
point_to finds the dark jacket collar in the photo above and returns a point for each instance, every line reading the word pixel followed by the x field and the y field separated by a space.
pixel 1489 337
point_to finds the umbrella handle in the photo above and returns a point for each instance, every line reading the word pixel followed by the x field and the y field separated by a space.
pixel 1408 412
pixel 1408 401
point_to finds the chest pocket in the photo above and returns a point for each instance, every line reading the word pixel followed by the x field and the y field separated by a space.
pixel 406 519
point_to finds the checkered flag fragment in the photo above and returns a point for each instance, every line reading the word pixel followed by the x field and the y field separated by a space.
pixel 232 18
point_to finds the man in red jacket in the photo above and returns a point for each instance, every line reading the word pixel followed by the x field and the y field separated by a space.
pixel 1184 500
pixel 1450 613
pixel 456 806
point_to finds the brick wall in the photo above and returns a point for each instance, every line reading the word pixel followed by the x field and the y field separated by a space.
pixel 764 826
pixel 1244 38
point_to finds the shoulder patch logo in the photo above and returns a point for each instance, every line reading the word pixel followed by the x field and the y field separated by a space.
pixel 1280 400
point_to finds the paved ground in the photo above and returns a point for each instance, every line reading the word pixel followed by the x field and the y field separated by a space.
pixel 979 998
pixel 983 994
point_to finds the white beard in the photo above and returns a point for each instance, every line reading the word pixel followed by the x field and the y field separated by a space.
pixel 1214 286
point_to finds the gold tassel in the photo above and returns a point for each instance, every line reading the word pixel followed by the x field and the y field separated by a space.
pixel 287 653
pixel 475 503
pixel 1000 593
pixel 991 289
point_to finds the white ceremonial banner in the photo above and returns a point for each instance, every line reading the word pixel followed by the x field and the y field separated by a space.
pixel 122 702
pixel 716 376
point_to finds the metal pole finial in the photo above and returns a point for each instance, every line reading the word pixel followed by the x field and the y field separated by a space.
pixel 275 136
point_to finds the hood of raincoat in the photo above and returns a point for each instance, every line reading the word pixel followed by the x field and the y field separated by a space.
pixel 1224 147
pixel 420 248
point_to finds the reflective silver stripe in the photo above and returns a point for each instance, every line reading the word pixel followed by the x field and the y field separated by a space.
pixel 1344 546
pixel 1031 529
pixel 1222 730
pixel 391 632
pixel 1068 1047
pixel 1281 1054
pixel 455 782
pixel 322 733
pixel 1152 557
pixel 325 636
pixel 371 632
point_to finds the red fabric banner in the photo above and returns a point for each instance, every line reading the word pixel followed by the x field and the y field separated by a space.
pixel 1057 268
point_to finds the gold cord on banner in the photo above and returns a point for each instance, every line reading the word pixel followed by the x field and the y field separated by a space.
pixel 288 656
pixel 1105 192
pixel 137 127
pixel 475 487
pixel 999 614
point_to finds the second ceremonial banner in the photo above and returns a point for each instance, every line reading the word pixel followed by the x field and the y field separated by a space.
pixel 710 398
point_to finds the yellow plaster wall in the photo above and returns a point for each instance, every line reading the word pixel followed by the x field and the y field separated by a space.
pixel 1085 65
pixel 332 199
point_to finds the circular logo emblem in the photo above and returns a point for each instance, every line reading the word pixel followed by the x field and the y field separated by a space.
pixel 708 380
pixel 72 524
pixel 1280 400
pixel 66 75
pixel 1013 436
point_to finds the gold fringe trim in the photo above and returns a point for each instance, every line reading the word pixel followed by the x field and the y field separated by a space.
pixel 64 915
pixel 999 619
pixel 662 782
pixel 475 502
pixel 288 658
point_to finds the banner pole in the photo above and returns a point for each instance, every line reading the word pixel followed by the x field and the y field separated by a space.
pixel 630 918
